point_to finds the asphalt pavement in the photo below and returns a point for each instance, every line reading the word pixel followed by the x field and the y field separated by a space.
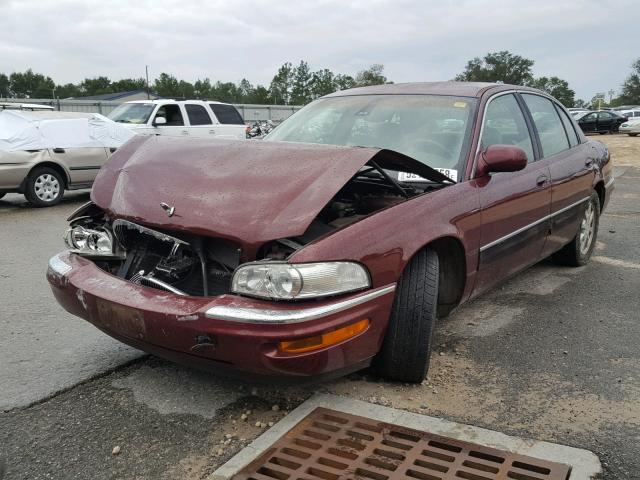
pixel 552 354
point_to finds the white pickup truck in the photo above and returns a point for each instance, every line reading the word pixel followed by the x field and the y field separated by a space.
pixel 181 118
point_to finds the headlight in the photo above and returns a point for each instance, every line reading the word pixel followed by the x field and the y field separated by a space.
pixel 624 125
pixel 84 240
pixel 284 281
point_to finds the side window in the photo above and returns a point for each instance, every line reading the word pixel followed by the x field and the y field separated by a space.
pixel 553 138
pixel 504 124
pixel 568 126
pixel 604 116
pixel 591 117
pixel 172 114
pixel 226 114
pixel 197 114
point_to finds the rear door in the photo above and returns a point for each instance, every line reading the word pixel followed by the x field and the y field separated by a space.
pixel 81 163
pixel 589 123
pixel 200 122
pixel 514 205
pixel 229 121
pixel 570 164
pixel 606 122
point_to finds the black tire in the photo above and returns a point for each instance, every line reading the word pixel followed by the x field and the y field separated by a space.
pixel 53 187
pixel 633 134
pixel 573 254
pixel 406 347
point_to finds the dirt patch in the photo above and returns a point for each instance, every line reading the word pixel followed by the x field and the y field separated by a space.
pixel 625 150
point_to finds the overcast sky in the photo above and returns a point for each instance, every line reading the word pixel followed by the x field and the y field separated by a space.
pixel 588 43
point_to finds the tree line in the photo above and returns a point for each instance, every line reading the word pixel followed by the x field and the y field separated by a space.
pixel 298 84
pixel 291 85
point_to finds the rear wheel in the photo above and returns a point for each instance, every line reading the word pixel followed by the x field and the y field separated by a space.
pixel 578 252
pixel 44 188
pixel 406 347
pixel 633 134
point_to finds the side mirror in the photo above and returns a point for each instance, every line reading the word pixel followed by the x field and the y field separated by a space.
pixel 159 121
pixel 501 158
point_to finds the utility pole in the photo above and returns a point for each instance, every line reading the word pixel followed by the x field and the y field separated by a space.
pixel 146 71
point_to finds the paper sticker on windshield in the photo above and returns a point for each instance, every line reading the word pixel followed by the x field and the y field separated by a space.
pixel 412 177
pixel 460 104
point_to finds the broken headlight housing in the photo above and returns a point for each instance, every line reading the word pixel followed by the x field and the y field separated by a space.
pixel 89 241
pixel 286 281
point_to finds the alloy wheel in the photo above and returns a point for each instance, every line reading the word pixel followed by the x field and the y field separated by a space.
pixel 587 229
pixel 47 187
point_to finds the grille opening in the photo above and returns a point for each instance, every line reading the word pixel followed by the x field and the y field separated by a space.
pixel 391 443
pixel 359 436
pixel 351 443
pixel 421 475
pixel 342 453
pixel 332 463
pixel 437 455
pixel 296 453
pixel 284 463
pixel 380 464
pixel 405 436
pixel 480 466
pixel 316 435
pixel 431 466
pixel 533 468
pixel 369 427
pixel 316 472
pixel 369 474
pixel 307 444
pixel 445 446
pixel 521 476
pixel 486 456
pixel 270 472
pixel 326 426
pixel 470 476
pixel 334 419
pixel 389 453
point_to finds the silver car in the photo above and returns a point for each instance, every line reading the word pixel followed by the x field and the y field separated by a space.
pixel 42 154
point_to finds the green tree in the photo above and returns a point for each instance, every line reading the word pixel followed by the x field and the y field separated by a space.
pixel 167 85
pixel 281 85
pixel 259 96
pixel 502 67
pixel 344 82
pixel 225 92
pixel 631 87
pixel 245 91
pixel 30 85
pixel 127 84
pixel 579 103
pixel 96 86
pixel 186 90
pixel 202 89
pixel 371 76
pixel 557 88
pixel 323 82
pixel 4 85
pixel 301 84
pixel 68 90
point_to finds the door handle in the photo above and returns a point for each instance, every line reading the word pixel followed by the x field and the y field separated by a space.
pixel 58 150
pixel 541 180
pixel 588 162
pixel 212 132
pixel 185 132
pixel 112 149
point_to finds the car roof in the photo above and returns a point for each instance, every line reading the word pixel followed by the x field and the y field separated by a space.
pixel 171 100
pixel 460 89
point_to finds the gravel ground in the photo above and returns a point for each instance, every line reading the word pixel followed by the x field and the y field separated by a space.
pixel 551 354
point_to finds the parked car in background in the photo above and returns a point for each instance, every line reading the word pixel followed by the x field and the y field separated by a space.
pixel 630 114
pixel 42 154
pixel 600 121
pixel 577 111
pixel 336 241
pixel 189 118
pixel 24 106
pixel 631 127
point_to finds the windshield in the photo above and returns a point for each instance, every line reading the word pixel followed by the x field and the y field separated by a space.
pixel 132 113
pixel 432 129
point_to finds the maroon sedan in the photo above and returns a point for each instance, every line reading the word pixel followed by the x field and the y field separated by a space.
pixel 337 241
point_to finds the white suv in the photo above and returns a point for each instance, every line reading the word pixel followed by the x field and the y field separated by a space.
pixel 181 118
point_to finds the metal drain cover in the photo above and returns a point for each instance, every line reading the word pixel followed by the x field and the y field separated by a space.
pixel 331 445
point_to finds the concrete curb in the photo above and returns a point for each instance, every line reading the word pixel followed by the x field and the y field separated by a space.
pixel 584 464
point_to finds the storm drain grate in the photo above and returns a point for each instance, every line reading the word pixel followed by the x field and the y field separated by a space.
pixel 330 445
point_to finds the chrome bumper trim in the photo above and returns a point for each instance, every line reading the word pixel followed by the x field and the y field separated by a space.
pixel 609 183
pixel 255 315
pixel 59 266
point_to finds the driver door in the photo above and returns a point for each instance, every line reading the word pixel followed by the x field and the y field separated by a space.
pixel 175 126
pixel 514 205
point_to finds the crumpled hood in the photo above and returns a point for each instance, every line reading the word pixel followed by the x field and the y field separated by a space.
pixel 246 191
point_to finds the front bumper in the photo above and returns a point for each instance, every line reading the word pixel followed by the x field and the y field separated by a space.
pixel 226 333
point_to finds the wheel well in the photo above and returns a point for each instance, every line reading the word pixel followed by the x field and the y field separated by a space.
pixel 55 167
pixel 453 272
pixel 599 188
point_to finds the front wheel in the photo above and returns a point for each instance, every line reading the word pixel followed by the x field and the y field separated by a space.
pixel 44 188
pixel 579 250
pixel 406 347
pixel 633 134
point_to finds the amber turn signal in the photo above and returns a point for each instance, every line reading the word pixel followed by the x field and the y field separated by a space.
pixel 325 340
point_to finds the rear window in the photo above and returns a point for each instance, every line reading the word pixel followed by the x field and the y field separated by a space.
pixel 197 115
pixel 226 114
